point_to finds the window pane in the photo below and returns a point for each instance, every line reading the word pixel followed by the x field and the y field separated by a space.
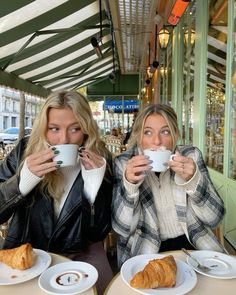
pixel 188 75
pixel 216 71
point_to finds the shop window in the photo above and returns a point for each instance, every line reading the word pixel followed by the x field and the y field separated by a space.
pixel 232 166
pixel 188 74
pixel 216 75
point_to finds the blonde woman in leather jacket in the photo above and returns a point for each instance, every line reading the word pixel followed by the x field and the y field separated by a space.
pixel 63 210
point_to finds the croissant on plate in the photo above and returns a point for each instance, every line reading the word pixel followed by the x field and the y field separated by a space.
pixel 156 274
pixel 19 258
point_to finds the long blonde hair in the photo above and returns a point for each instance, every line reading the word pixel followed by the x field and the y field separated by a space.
pixel 53 181
pixel 161 109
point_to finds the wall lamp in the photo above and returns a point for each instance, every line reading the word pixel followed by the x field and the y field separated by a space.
pixel 163 38
pixel 189 36
pixel 177 11
pixel 96 47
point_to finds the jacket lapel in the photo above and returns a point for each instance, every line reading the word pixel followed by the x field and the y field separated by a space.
pixel 73 200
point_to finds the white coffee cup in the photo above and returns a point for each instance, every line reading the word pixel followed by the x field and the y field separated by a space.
pixel 68 154
pixel 159 159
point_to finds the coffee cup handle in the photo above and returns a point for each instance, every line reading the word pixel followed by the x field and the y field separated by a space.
pixel 171 157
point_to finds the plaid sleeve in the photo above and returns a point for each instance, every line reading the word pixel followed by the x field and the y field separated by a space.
pixel 205 201
pixel 125 207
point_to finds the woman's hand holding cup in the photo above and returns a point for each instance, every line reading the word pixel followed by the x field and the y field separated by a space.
pixel 137 168
pixel 185 167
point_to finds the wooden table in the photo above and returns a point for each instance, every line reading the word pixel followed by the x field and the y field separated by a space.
pixel 205 285
pixel 31 287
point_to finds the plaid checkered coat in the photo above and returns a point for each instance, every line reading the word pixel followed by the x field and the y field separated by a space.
pixel 134 216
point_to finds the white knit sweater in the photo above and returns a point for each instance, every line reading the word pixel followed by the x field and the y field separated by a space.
pixel 92 181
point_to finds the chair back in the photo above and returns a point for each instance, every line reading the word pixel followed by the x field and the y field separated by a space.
pixel 113 144
pixel 9 148
pixel 2 153
pixel 219 233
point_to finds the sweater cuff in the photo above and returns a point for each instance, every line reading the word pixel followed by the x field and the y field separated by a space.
pixel 92 180
pixel 28 180
pixel 131 188
pixel 191 185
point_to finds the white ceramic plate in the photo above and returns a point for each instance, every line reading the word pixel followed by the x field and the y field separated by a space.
pixel 186 277
pixel 10 276
pixel 68 278
pixel 222 265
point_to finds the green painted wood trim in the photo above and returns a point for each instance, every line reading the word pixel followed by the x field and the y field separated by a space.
pixel 125 85
pixel 15 82
pixel 228 88
pixel 177 73
pixel 199 107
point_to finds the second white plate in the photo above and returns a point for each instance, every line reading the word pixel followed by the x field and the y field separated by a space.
pixel 186 278
pixel 222 265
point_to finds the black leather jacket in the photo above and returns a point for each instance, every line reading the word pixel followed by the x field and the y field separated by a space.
pixel 33 215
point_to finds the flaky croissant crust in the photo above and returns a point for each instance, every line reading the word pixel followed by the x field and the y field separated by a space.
pixel 156 274
pixel 18 258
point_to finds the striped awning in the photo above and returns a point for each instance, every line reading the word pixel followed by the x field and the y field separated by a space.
pixel 47 44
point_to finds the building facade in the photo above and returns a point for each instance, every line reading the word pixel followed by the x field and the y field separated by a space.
pixel 10 100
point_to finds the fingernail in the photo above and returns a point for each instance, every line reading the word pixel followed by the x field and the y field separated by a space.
pixel 147 157
pixel 56 152
pixel 81 148
pixel 58 166
pixel 150 161
pixel 54 148
pixel 59 162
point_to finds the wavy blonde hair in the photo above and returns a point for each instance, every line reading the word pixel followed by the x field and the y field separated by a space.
pixel 161 109
pixel 53 181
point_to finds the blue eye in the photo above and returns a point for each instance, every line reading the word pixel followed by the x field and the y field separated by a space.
pixel 147 132
pixel 165 132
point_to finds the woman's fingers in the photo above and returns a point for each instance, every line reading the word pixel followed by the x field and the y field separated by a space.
pixel 136 168
pixel 90 159
pixel 185 167
pixel 41 163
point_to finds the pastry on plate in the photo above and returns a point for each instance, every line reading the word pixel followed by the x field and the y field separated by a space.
pixel 18 258
pixel 158 273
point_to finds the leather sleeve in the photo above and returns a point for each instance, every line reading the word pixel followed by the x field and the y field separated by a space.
pixel 10 196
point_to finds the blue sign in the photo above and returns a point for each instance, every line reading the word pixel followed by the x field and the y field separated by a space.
pixel 116 106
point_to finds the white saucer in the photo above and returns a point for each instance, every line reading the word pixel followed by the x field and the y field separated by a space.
pixel 222 265
pixel 68 278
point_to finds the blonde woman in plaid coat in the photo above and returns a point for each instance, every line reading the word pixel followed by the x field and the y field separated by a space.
pixel 155 212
